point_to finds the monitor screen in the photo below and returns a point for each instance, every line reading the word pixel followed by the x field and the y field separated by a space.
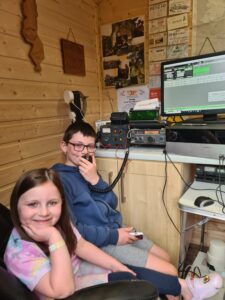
pixel 194 86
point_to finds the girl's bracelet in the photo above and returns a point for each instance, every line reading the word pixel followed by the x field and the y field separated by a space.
pixel 57 245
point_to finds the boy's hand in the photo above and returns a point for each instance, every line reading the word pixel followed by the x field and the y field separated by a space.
pixel 125 237
pixel 89 170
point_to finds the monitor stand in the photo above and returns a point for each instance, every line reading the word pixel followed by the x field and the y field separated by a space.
pixel 213 119
pixel 206 119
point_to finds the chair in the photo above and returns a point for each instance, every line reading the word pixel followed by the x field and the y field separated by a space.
pixel 12 288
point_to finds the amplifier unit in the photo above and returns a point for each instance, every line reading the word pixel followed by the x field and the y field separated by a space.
pixel 113 136
pixel 210 173
pixel 196 140
pixel 144 136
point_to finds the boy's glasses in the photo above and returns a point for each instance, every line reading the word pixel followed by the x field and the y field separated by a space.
pixel 80 147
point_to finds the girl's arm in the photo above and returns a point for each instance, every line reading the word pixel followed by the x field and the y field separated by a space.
pixel 94 255
pixel 59 281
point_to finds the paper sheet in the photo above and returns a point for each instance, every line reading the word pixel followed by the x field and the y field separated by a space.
pixel 128 97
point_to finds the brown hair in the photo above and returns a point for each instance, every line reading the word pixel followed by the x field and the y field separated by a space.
pixel 33 179
pixel 85 128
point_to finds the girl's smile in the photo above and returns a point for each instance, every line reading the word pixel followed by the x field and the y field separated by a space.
pixel 40 206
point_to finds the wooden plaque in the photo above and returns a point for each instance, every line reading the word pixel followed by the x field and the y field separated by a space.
pixel 73 58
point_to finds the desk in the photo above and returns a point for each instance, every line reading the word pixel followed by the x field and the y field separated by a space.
pixel 144 174
pixel 186 202
pixel 186 205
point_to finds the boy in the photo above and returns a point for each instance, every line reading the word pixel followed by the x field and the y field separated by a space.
pixel 95 214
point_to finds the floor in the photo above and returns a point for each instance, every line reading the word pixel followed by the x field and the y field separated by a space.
pixel 195 261
pixel 190 257
pixel 203 270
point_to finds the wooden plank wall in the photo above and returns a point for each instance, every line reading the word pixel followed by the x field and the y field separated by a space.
pixel 33 114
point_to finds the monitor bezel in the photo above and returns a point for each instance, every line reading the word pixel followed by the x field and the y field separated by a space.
pixel 210 113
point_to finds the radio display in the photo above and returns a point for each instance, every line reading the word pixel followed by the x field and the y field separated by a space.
pixel 151 132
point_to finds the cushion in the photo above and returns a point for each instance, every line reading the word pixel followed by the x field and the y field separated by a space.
pixel 12 289
pixel 118 290
pixel 6 226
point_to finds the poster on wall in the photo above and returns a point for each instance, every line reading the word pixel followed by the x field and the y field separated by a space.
pixel 177 51
pixel 158 39
pixel 179 6
pixel 158 10
pixel 177 21
pixel 157 25
pixel 123 53
pixel 178 36
pixel 129 96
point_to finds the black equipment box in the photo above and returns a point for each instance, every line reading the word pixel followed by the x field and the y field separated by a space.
pixel 147 124
pixel 147 133
pixel 201 140
pixel 151 136
pixel 210 173
pixel 113 136
pixel 119 118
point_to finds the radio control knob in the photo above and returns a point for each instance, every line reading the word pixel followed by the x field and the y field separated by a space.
pixel 150 139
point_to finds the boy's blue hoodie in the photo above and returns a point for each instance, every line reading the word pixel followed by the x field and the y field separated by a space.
pixel 94 214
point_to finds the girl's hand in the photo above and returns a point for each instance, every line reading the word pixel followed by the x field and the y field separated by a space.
pixel 99 258
pixel 46 234
pixel 89 170
pixel 122 268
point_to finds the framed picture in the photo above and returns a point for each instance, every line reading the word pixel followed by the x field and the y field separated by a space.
pixel 73 58
pixel 123 53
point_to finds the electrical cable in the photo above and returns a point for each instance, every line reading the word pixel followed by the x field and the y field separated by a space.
pixel 200 223
pixel 163 197
pixel 171 220
pixel 82 115
pixel 187 184
pixel 111 186
pixel 218 189
pixel 183 271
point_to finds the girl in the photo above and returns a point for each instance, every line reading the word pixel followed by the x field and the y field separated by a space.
pixel 50 257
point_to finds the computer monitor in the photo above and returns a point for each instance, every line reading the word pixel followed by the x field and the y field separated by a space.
pixel 194 86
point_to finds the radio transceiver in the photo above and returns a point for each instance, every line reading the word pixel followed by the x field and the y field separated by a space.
pixel 146 136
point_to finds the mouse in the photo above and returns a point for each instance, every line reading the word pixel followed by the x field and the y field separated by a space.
pixel 203 201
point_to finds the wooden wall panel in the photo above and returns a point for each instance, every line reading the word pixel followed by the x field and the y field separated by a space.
pixel 9 153
pixel 39 146
pixel 11 68
pixel 33 113
pixel 27 110
pixel 31 129
pixel 5 194
pixel 9 174
pixel 14 89
pixel 214 229
pixel 25 149
pixel 116 10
